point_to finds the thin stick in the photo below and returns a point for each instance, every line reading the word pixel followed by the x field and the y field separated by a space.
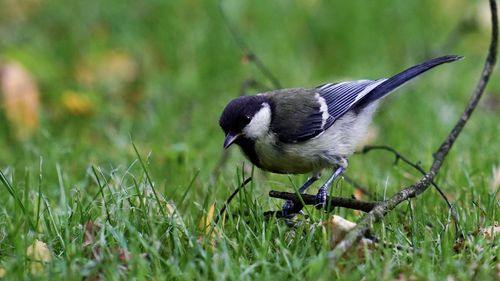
pixel 230 199
pixel 414 190
pixel 309 199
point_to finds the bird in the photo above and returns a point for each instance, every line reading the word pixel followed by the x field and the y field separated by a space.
pixel 309 130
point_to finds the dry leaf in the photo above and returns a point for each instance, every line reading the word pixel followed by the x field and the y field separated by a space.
pixel 123 255
pixel 246 58
pixel 358 194
pixel 459 245
pixel 2 272
pixel 490 232
pixel 20 99
pixel 337 228
pixel 113 70
pixel 403 277
pixel 38 255
pixel 91 230
pixel 206 220
pixel 18 11
pixel 77 104
pixel 206 227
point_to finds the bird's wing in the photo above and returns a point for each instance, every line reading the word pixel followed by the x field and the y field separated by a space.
pixel 302 114
pixel 306 113
pixel 340 97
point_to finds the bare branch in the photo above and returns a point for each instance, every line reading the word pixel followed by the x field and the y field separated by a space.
pixel 385 207
pixel 221 213
pixel 309 199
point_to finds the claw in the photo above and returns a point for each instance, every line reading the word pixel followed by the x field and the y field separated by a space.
pixel 285 210
pixel 320 198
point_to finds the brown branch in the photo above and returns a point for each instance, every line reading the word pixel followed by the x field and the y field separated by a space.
pixel 385 207
pixel 309 199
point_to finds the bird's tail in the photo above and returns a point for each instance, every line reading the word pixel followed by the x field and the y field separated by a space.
pixel 401 78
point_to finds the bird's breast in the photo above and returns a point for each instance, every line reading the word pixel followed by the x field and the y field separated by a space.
pixel 283 158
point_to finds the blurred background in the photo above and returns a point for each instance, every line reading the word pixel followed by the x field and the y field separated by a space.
pixel 82 80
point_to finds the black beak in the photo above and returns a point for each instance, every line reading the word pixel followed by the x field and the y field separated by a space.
pixel 230 138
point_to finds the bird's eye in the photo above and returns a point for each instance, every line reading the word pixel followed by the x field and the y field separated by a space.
pixel 247 118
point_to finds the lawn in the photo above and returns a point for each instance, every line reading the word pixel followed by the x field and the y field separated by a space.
pixel 110 161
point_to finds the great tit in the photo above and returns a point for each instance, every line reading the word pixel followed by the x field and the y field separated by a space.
pixel 306 130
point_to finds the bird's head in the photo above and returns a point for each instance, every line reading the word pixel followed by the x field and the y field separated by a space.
pixel 245 117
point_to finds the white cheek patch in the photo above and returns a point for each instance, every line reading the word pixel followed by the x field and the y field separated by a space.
pixel 259 125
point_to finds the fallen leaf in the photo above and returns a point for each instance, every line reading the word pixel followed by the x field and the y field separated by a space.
pixel 246 58
pixel 113 71
pixel 124 256
pixel 38 255
pixel 77 104
pixel 91 230
pixel 337 228
pixel 403 277
pixel 14 12
pixel 20 99
pixel 358 194
pixel 459 245
pixel 207 219
pixel 92 249
pixel 206 226
pixel 490 232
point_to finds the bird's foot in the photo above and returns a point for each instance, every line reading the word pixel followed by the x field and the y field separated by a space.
pixel 287 210
pixel 320 198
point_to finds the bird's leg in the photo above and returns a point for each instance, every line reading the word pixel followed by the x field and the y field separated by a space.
pixel 289 205
pixel 321 196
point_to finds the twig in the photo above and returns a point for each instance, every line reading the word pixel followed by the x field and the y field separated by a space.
pixel 230 199
pixel 309 199
pixel 418 167
pixel 414 190
pixel 251 56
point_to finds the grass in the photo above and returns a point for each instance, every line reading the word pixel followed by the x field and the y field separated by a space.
pixel 139 164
